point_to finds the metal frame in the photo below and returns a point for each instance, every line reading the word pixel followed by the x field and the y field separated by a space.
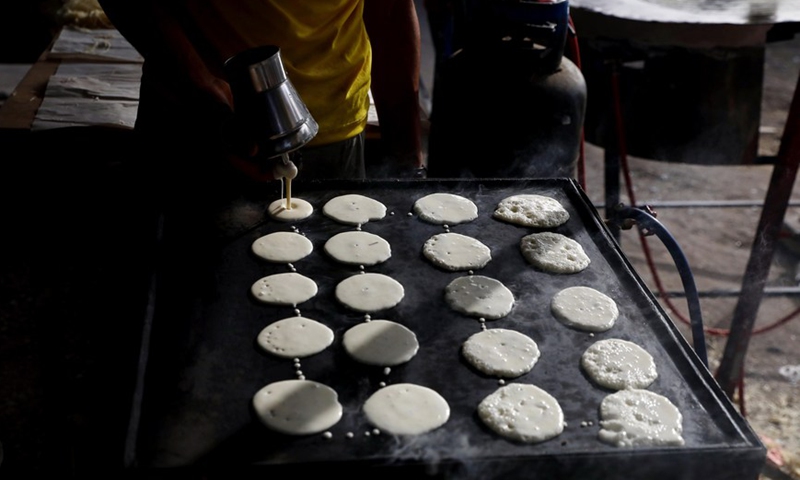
pixel 772 215
pixel 774 207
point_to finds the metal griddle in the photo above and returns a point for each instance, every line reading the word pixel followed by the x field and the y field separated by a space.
pixel 202 365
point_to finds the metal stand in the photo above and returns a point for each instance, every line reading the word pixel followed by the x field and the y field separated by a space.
pixel 769 225
pixel 773 211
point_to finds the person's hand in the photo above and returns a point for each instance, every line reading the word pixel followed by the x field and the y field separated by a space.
pixel 243 154
pixel 259 171
pixel 237 138
pixel 265 169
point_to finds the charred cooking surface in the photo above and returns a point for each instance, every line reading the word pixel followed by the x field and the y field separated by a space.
pixel 204 365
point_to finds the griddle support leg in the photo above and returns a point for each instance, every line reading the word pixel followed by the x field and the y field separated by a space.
pixel 769 226
pixel 612 155
pixel 612 185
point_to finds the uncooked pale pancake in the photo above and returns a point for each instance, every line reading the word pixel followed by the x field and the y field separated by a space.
pixel 479 296
pixel 639 418
pixel 380 342
pixel 406 409
pixel 300 209
pixel 282 247
pixel 445 208
pixel 584 308
pixel 618 364
pixel 453 251
pixel 354 209
pixel 284 289
pixel 531 211
pixel 297 407
pixel 522 412
pixel 295 337
pixel 358 248
pixel 369 292
pixel 554 252
pixel 501 352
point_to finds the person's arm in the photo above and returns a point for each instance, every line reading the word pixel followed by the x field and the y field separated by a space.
pixel 159 37
pixel 393 29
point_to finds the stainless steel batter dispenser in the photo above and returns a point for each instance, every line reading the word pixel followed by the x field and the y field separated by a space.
pixel 267 103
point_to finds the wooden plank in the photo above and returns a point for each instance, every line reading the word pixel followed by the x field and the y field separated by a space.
pixel 19 109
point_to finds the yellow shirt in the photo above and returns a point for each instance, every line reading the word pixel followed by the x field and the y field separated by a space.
pixel 324 48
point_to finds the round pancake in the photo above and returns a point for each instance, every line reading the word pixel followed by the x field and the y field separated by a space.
pixel 619 364
pixel 536 211
pixel 640 418
pixel 300 210
pixel 584 308
pixel 297 407
pixel 369 292
pixel 354 209
pixel 479 296
pixel 358 248
pixel 445 208
pixel 522 412
pixel 406 409
pixel 284 289
pixel 295 337
pixel 554 253
pixel 453 251
pixel 380 342
pixel 501 352
pixel 282 247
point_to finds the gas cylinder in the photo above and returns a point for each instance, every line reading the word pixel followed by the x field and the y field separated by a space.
pixel 507 103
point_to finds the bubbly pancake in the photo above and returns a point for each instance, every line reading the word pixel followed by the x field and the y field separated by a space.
pixel 521 412
pixel 369 292
pixel 284 289
pixel 282 247
pixel 531 211
pixel 295 337
pixel 554 253
pixel 479 296
pixel 640 418
pixel 380 342
pixel 618 364
pixel 297 407
pixel 354 209
pixel 453 251
pixel 406 409
pixel 358 248
pixel 501 352
pixel 584 308
pixel 445 208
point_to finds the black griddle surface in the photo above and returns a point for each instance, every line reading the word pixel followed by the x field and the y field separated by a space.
pixel 203 365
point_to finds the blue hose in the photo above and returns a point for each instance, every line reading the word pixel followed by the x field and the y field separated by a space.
pixel 649 222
